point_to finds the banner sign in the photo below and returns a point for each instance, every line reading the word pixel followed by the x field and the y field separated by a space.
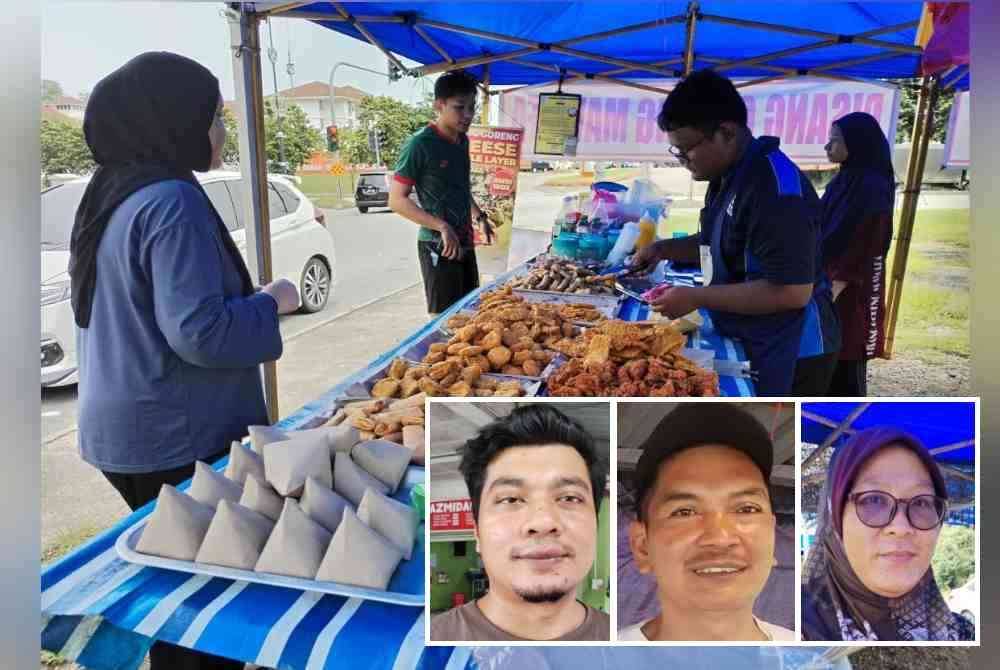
pixel 619 123
pixel 558 124
pixel 450 515
pixel 495 155
pixel 956 149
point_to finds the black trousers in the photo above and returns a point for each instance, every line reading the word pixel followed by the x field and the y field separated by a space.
pixel 137 490
pixel 813 375
pixel 446 281
pixel 850 379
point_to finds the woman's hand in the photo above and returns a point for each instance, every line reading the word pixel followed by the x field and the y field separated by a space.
pixel 285 294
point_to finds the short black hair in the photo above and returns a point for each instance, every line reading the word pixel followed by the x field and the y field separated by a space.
pixel 456 82
pixel 530 425
pixel 704 99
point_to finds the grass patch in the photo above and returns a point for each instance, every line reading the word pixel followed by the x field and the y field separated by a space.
pixel 50 660
pixel 66 541
pixel 934 316
pixel 577 179
pixel 329 192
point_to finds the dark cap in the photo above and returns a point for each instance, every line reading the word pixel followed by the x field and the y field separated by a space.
pixel 697 424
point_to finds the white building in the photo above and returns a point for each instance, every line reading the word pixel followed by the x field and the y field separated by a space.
pixel 71 107
pixel 314 99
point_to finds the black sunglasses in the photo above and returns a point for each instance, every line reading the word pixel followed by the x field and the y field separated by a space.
pixel 877 509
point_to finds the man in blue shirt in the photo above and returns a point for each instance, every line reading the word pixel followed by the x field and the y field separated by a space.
pixel 758 245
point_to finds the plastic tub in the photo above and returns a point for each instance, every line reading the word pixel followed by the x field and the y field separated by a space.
pixel 566 245
pixel 591 247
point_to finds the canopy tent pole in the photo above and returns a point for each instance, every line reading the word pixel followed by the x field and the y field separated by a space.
pixel 952 447
pixel 692 22
pixel 359 26
pixel 841 429
pixel 485 84
pixel 598 77
pixel 433 44
pixel 823 421
pixel 863 38
pixel 923 128
pixel 245 42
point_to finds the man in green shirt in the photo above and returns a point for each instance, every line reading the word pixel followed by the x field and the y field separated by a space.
pixel 435 161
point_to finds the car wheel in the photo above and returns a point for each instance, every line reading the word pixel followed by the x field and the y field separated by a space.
pixel 363 210
pixel 314 288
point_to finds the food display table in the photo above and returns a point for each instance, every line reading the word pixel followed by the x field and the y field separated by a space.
pixel 104 612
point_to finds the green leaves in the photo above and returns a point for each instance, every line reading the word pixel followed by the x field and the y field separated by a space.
pixel 64 149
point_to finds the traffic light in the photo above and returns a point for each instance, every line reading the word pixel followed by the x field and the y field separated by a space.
pixel 332 140
pixel 371 142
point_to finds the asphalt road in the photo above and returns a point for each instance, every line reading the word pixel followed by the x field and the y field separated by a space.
pixel 375 256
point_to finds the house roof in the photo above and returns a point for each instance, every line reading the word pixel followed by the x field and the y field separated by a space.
pixel 68 101
pixel 319 89
pixel 50 113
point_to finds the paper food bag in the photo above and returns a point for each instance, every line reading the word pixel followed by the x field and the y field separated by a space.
pixel 323 505
pixel 242 463
pixel 209 487
pixel 288 464
pixel 387 461
pixel 392 520
pixel 235 537
pixel 176 527
pixel 261 436
pixel 350 480
pixel 359 556
pixel 260 497
pixel 296 545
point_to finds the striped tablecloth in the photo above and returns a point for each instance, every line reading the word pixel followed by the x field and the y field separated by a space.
pixel 104 613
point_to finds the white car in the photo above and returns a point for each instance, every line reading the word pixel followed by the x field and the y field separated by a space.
pixel 301 251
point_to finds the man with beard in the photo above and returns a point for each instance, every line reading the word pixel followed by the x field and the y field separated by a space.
pixel 704 526
pixel 535 482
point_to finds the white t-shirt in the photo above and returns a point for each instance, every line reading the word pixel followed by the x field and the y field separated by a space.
pixel 774 633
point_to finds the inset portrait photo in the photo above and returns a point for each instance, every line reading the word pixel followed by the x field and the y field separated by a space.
pixel 889 540
pixel 519 522
pixel 706 522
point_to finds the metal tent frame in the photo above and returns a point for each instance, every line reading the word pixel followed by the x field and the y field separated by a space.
pixel 246 18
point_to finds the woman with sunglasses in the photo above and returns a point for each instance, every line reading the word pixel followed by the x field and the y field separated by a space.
pixel 869 575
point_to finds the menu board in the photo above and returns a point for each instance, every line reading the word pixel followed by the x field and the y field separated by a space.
pixel 558 124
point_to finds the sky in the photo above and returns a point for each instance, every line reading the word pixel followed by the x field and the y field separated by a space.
pixel 82 41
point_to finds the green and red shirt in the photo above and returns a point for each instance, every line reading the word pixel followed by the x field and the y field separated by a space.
pixel 439 170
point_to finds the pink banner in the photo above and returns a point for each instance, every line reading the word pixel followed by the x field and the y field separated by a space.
pixel 957 151
pixel 619 123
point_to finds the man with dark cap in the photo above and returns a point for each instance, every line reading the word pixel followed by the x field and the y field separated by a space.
pixel 704 525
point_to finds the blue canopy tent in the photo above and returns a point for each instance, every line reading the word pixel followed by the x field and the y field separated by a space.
pixel 948 429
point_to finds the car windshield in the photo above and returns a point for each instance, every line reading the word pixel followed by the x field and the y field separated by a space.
pixel 376 180
pixel 59 205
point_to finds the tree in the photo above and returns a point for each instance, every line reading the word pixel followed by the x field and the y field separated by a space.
pixel 64 149
pixel 392 119
pixel 955 556
pixel 300 139
pixel 51 90
pixel 908 108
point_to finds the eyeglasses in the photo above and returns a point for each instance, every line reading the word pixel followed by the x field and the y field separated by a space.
pixel 877 509
pixel 682 154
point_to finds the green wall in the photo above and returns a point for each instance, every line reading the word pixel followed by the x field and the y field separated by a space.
pixel 455 567
pixel 602 563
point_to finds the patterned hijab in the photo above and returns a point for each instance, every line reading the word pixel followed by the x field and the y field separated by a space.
pixel 836 604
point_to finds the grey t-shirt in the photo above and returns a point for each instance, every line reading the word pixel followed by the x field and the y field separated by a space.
pixel 468 624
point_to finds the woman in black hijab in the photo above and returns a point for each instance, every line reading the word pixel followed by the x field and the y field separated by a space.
pixel 857 231
pixel 170 330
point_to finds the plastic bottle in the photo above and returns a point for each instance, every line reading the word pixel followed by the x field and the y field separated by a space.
pixel 625 243
pixel 566 216
pixel 647 231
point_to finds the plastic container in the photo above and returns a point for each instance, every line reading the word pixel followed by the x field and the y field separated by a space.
pixel 417 500
pixel 591 248
pixel 647 231
pixel 566 245
pixel 610 237
pixel 625 243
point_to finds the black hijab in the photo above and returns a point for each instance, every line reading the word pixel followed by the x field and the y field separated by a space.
pixel 146 122
pixel 865 185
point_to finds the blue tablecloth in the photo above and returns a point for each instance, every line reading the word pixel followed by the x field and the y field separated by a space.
pixel 105 613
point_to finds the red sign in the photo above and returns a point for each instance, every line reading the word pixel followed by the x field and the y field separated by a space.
pixel 452 515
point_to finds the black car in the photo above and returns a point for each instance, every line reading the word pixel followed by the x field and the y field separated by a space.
pixel 372 190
